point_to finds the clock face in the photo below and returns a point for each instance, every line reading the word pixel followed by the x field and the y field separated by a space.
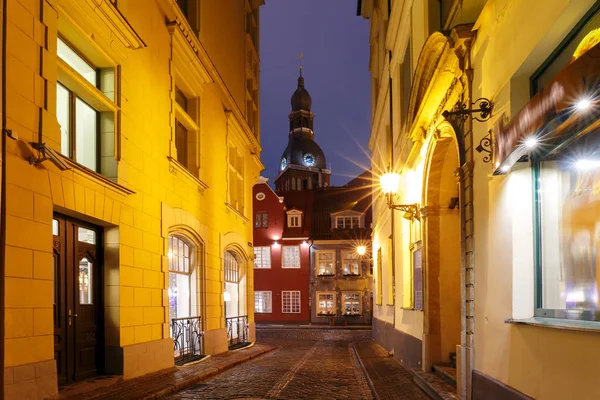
pixel 309 159
pixel 283 163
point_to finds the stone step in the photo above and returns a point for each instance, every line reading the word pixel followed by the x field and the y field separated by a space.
pixel 435 387
pixel 446 372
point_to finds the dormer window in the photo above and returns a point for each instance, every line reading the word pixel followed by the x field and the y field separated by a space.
pixel 294 219
pixel 347 220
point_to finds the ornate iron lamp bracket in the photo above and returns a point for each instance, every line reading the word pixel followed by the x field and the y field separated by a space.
pixel 412 209
pixel 482 106
pixel 485 145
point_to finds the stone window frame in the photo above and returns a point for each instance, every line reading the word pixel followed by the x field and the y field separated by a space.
pixel 360 301
pixel 318 307
pixel 267 301
pixel 261 258
pixel 333 262
pixel 293 296
pixel 294 218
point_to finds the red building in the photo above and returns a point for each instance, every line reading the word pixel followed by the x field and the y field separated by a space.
pixel 281 264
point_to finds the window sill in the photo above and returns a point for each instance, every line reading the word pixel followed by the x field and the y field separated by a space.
pixel 90 173
pixel 175 165
pixel 351 275
pixel 235 211
pixel 558 323
pixel 325 276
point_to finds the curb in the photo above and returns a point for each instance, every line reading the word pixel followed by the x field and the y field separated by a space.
pixel 364 370
pixel 191 381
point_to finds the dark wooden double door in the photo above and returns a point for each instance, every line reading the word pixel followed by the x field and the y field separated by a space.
pixel 78 299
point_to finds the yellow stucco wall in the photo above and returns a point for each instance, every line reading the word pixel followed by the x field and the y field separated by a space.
pixel 149 185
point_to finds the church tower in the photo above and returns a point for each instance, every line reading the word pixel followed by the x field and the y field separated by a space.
pixel 303 165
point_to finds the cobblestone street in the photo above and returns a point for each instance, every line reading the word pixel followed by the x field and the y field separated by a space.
pixel 299 369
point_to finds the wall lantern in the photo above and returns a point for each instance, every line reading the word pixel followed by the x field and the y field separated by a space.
pixel 361 250
pixel 390 181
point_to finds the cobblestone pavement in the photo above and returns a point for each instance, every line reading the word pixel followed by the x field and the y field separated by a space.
pixel 299 369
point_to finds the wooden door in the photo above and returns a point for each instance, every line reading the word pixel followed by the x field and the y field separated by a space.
pixel 77 300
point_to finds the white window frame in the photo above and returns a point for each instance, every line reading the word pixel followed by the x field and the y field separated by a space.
pixel 259 259
pixel 318 307
pixel 266 299
pixel 356 258
pixel 360 305
pixel 294 219
pixel 284 263
pixel 343 220
pixel 333 262
pixel 293 296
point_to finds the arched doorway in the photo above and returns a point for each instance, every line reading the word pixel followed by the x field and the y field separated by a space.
pixel 442 252
pixel 236 318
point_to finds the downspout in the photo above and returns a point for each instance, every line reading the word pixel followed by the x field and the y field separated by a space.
pixel 3 199
pixel 393 219
pixel 309 283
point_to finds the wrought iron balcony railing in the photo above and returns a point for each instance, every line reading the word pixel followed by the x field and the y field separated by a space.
pixel 187 339
pixel 237 331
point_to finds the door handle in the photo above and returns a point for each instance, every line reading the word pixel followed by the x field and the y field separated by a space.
pixel 70 316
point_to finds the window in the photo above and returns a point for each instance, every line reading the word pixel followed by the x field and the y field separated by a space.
pixel 85 110
pixel 347 222
pixel 191 11
pixel 262 302
pixel 351 263
pixel 326 263
pixel 417 278
pixel 181 143
pixel 326 304
pixel 236 179
pixel 290 301
pixel 262 257
pixel 186 132
pixel 351 303
pixel 294 219
pixel 568 229
pixel 261 220
pixel 291 257
pixel 179 278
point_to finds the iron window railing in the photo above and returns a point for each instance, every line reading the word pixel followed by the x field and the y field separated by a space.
pixel 237 331
pixel 187 339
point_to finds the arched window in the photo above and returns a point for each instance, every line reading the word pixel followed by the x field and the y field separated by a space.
pixel 235 291
pixel 179 278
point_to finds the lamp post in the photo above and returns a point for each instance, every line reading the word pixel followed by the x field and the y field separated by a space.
pixel 390 183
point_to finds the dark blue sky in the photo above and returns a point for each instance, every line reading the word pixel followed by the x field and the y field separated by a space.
pixel 335 43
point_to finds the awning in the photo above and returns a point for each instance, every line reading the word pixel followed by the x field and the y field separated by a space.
pixel 551 115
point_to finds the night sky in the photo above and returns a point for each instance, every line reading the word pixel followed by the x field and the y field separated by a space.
pixel 335 43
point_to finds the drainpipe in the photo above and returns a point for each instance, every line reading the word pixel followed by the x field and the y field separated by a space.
pixel 309 284
pixel 3 200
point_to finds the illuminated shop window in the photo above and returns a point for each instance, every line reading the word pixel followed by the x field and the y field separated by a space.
pixel 351 303
pixel 262 302
pixel 291 257
pixel 326 263
pixel 262 257
pixel 351 263
pixel 179 278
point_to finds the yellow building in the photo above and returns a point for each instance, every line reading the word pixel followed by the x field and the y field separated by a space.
pixel 134 143
pixel 485 116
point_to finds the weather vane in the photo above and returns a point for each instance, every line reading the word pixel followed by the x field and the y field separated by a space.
pixel 300 57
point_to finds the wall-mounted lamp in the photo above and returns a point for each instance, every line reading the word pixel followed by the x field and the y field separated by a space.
pixel 390 181
pixel 46 153
pixel 361 250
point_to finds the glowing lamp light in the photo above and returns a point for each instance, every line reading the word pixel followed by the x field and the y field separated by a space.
pixel 583 104
pixel 304 243
pixel 226 296
pixel 505 169
pixel 170 255
pixel 587 164
pixel 275 243
pixel 390 181
pixel 361 250
pixel 531 142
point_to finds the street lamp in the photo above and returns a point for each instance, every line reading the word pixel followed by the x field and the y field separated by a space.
pixel 361 250
pixel 390 182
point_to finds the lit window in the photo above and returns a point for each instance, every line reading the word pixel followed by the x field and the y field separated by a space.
pixel 568 223
pixel 85 111
pixel 379 278
pixel 179 278
pixel 262 257
pixel 290 301
pixel 262 302
pixel 291 257
pixel 325 263
pixel 351 263
pixel 55 228
pixel 347 222
pixel 326 304
pixel 261 220
pixel 351 303
pixel 417 278
pixel 85 281
pixel 86 235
